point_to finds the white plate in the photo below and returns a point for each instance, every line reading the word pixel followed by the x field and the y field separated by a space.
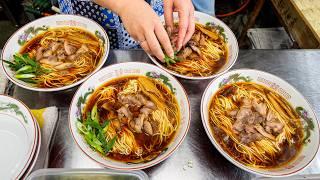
pixel 35 156
pixel 232 45
pixel 297 101
pixel 30 30
pixel 129 69
pixel 18 135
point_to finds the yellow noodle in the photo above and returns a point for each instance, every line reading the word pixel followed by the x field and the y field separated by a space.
pixel 262 152
pixel 166 116
pixel 84 64
pixel 212 51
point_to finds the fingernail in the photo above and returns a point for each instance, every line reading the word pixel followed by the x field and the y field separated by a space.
pixel 162 58
pixel 172 55
pixel 180 46
pixel 169 30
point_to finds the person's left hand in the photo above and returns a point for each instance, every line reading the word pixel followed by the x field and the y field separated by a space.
pixel 185 11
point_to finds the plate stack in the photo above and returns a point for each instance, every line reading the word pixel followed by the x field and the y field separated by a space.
pixel 20 138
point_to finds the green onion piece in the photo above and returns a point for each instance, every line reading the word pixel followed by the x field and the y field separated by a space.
pixel 105 126
pixel 93 124
pixel 94 133
pixel 24 76
pixel 28 60
pixel 81 127
pixel 93 141
pixel 25 69
pixel 13 65
pixel 177 59
pixel 94 113
pixel 8 62
pixel 29 80
pixel 18 59
pixel 167 60
pixel 172 61
pixel 110 144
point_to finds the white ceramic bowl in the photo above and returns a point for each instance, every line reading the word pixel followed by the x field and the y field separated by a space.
pixel 35 155
pixel 232 45
pixel 19 136
pixel 116 71
pixel 309 149
pixel 28 31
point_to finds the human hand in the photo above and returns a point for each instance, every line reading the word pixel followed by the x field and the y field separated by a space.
pixel 185 11
pixel 144 25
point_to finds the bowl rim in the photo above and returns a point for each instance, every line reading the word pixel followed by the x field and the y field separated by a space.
pixel 155 61
pixel 36 136
pixel 230 158
pixel 138 166
pixel 35 156
pixel 103 59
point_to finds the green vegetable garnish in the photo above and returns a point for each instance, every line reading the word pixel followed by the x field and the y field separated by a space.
pixel 110 144
pixel 29 80
pixel 24 76
pixel 94 113
pixel 222 33
pixel 219 28
pixel 26 68
pixel 94 132
pixel 168 60
pixel 105 126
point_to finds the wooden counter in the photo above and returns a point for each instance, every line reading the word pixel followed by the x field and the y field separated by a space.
pixel 302 20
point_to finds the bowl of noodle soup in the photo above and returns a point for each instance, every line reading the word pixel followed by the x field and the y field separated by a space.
pixel 211 51
pixel 55 53
pixel 260 123
pixel 129 116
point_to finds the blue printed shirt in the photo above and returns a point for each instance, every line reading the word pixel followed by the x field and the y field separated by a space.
pixel 111 22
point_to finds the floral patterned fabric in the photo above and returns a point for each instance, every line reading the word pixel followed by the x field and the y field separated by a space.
pixel 118 36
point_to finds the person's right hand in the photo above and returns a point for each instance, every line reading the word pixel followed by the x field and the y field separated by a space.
pixel 144 25
pixel 185 11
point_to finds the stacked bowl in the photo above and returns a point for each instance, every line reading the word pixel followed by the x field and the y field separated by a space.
pixel 20 136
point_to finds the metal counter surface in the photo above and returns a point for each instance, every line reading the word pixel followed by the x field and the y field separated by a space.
pixel 301 68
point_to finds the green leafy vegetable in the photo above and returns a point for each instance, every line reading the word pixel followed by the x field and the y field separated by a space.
pixel 219 29
pixel 105 126
pixel 81 127
pixel 110 144
pixel 222 33
pixel 93 124
pixel 29 80
pixel 94 113
pixel 26 68
pixel 24 76
pixel 168 60
pixel 82 99
pixel 94 132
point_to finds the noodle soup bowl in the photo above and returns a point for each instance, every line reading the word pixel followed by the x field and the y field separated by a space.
pixel 34 28
pixel 310 143
pixel 105 75
pixel 231 41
